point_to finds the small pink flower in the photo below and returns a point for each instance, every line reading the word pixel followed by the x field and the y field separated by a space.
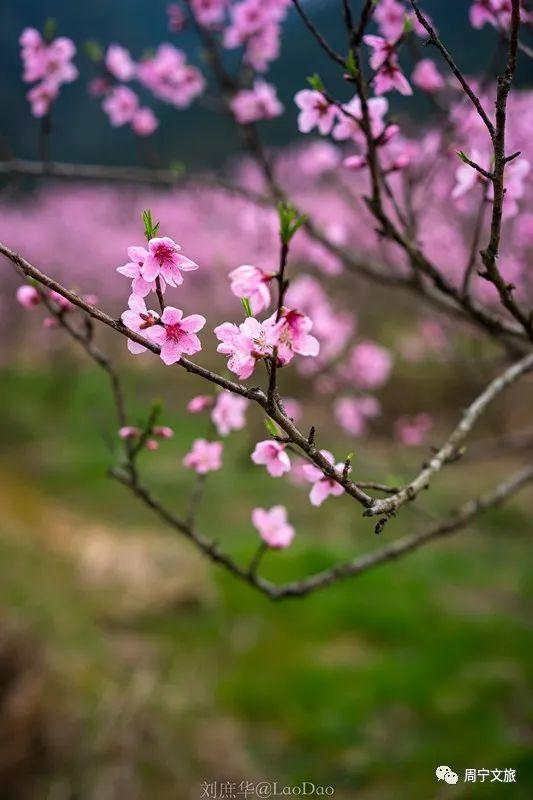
pixel 245 344
pixel 229 413
pixel 176 17
pixel 272 455
pixel 273 527
pixel 137 256
pixel 385 61
pixel 353 413
pixel 60 301
pixel 164 259
pixel 389 77
pixel 323 486
pixel 412 431
pixel 129 432
pixel 139 320
pixel 349 128
pixel 252 283
pixel 151 444
pixel 390 16
pixel 41 97
pixel 28 296
pixel 291 335
pixel 177 335
pixel 119 62
pixel 204 456
pixel 144 122
pixel 369 365
pixel 199 404
pixel 427 77
pixel 260 102
pixel 50 322
pixel 383 50
pixel 163 431
pixel 209 12
pixel 120 105
pixel 483 11
pixel 315 111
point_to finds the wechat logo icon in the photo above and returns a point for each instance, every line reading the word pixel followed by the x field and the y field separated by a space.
pixel 446 774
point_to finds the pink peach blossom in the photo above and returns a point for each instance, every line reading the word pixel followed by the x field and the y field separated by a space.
pixel 259 102
pixel 273 527
pixel 251 283
pixel 176 17
pixel 120 105
pixel 199 403
pixel 28 296
pixel 427 77
pixel 119 62
pixel 229 413
pixel 245 344
pixel 163 431
pixel 164 259
pixel 139 320
pixel 291 335
pixel 140 286
pixel 369 365
pixel 204 456
pixel 315 111
pixel 177 335
pixel 353 413
pixel 412 431
pixel 272 455
pixel 323 486
pixel 129 432
pixel 144 122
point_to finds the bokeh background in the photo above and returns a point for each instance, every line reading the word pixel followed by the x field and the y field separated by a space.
pixel 130 668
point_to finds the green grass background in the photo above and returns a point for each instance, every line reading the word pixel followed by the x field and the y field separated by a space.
pixel 367 686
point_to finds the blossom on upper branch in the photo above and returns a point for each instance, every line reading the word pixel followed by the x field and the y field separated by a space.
pixel 385 61
pixel 120 105
pixel 209 13
pixel 255 25
pixel 168 75
pixel 273 527
pixel 204 456
pixel 245 344
pixel 315 111
pixel 144 122
pixel 50 63
pixel 177 334
pixel 252 340
pixel 259 102
pixel 251 283
pixel 164 260
pixel 427 77
pixel 291 334
pixel 272 455
pixel 140 286
pixel 349 128
pixel 119 62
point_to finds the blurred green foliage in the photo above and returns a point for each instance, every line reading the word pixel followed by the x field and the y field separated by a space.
pixel 367 686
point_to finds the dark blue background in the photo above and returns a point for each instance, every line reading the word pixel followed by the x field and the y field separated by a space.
pixel 196 136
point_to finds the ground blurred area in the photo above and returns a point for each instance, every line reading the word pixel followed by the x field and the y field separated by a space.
pixel 131 668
